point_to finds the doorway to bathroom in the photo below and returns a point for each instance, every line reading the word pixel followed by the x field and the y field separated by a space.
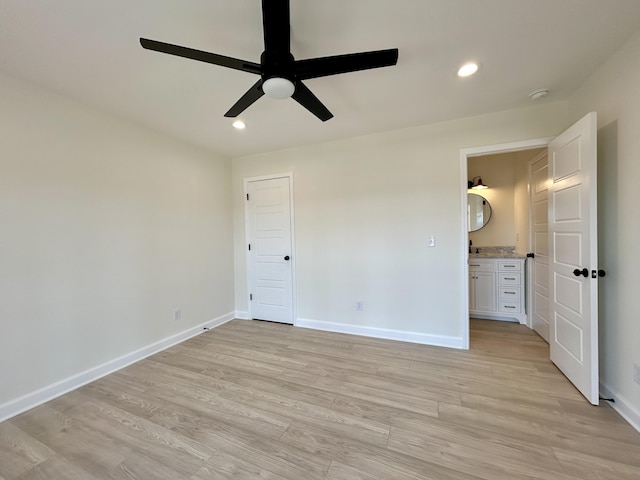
pixel 572 244
pixel 516 198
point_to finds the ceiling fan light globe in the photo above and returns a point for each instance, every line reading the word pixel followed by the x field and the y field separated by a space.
pixel 277 87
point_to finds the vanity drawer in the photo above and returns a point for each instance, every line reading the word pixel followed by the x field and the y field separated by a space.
pixel 509 294
pixel 509 278
pixel 509 266
pixel 481 265
pixel 508 307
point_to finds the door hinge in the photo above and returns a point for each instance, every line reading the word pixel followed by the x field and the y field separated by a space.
pixel 251 296
pixel 247 197
pixel 531 255
pixel 249 247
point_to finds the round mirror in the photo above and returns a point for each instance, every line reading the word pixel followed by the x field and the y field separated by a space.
pixel 478 211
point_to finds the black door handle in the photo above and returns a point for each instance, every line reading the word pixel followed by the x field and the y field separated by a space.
pixel 286 257
pixel 584 272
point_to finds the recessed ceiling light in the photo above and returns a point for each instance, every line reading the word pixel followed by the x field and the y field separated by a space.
pixel 468 69
pixel 239 124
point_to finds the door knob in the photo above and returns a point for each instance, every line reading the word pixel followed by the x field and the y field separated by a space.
pixel 584 272
pixel 286 257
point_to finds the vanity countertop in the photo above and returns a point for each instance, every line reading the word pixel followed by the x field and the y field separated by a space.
pixel 496 255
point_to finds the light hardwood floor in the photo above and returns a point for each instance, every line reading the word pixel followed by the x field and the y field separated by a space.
pixel 258 400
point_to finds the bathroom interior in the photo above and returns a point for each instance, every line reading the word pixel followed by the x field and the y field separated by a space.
pixel 499 235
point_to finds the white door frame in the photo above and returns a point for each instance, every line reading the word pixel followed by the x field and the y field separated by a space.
pixel 465 154
pixel 294 295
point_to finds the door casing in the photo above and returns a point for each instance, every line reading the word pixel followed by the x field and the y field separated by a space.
pixel 465 154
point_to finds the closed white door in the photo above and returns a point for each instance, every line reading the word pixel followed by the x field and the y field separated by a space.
pixel 269 247
pixel 539 264
pixel 573 260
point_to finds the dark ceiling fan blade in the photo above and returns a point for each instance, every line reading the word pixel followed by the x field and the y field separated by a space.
pixel 350 62
pixel 276 27
pixel 253 94
pixel 308 100
pixel 201 56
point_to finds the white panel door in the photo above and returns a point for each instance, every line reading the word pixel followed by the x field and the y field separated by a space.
pixel 539 264
pixel 573 259
pixel 270 271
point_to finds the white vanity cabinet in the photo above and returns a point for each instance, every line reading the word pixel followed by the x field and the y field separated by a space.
pixel 482 286
pixel 496 288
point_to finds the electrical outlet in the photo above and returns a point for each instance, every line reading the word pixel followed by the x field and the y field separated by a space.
pixel 359 306
pixel 177 314
pixel 636 373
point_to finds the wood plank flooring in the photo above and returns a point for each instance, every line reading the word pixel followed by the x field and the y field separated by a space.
pixel 259 400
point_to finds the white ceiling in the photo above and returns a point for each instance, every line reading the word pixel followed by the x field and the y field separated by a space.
pixel 89 50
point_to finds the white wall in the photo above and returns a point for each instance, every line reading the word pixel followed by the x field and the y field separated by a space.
pixel 105 228
pixel 498 172
pixel 613 92
pixel 364 208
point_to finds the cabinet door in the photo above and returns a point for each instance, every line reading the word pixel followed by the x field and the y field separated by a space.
pixel 472 291
pixel 485 291
pixel 473 304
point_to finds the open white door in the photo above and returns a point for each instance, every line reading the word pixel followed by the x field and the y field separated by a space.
pixel 270 270
pixel 573 255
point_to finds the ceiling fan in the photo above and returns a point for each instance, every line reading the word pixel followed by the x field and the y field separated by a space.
pixel 280 74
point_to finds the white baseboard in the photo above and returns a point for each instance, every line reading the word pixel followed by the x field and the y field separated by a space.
pixel 33 399
pixel 518 318
pixel 413 337
pixel 621 405
pixel 240 315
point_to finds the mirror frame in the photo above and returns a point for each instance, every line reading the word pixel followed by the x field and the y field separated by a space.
pixel 487 212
